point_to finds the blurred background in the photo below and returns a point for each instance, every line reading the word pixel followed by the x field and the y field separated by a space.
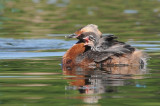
pixel 32 44
pixel 42 18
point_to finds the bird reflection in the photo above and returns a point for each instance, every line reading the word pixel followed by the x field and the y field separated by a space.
pixel 99 80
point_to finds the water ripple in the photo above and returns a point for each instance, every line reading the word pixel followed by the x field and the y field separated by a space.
pixel 23 55
pixel 9 44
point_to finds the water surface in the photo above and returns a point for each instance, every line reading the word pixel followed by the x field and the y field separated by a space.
pixel 32 44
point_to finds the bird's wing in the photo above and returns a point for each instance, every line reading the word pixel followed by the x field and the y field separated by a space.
pixel 109 44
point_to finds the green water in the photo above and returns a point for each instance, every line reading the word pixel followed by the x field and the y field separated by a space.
pixel 32 44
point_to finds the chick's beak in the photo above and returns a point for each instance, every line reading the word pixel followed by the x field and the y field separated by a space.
pixel 86 40
pixel 71 36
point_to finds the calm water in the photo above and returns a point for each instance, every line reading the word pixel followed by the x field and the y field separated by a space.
pixel 32 44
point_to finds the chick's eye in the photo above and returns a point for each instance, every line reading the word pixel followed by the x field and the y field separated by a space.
pixel 91 37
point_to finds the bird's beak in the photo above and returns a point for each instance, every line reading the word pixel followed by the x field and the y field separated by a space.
pixel 86 40
pixel 71 36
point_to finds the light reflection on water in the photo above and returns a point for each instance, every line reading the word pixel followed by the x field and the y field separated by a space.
pixel 24 55
pixel 10 44
pixel 130 11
